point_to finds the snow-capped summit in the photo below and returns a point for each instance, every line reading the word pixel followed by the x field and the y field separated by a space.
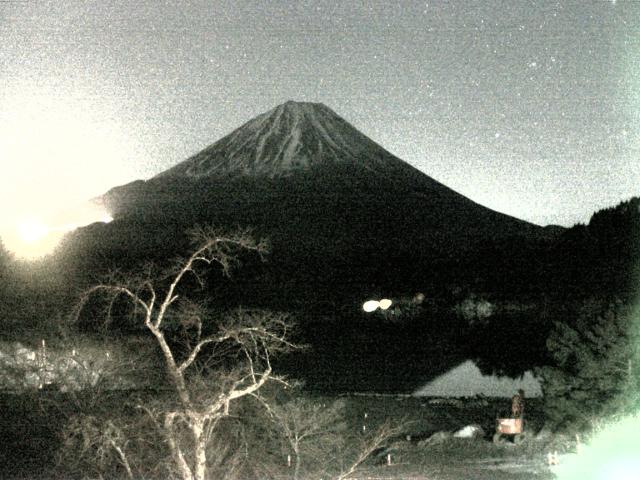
pixel 291 137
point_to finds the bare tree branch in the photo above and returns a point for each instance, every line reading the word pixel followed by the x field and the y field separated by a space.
pixel 384 433
pixel 253 335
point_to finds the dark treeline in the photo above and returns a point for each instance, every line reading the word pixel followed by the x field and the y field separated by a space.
pixel 323 280
pixel 597 259
pixel 318 260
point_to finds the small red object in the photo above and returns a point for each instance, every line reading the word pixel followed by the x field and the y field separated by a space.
pixel 510 426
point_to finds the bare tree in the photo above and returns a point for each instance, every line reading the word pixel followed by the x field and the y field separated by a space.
pixel 321 441
pixel 102 441
pixel 309 427
pixel 368 446
pixel 240 345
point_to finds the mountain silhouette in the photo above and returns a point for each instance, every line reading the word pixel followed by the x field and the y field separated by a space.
pixel 345 217
pixel 347 221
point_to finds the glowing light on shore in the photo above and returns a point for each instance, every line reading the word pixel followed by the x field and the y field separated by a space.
pixel 370 306
pixel 385 303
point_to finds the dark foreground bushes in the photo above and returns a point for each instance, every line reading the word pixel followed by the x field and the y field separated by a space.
pixel 296 436
pixel 595 367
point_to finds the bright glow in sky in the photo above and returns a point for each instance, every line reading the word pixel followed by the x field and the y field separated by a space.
pixel 528 108
pixel 30 230
pixel 56 154
pixel 48 142
pixel 31 237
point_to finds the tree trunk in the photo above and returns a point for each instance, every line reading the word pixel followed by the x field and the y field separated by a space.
pixel 172 368
pixel 181 463
pixel 200 442
pixel 296 471
pixel 123 459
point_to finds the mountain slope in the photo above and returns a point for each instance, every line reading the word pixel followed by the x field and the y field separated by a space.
pixel 291 137
pixel 346 218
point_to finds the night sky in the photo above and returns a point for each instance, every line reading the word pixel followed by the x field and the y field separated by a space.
pixel 531 108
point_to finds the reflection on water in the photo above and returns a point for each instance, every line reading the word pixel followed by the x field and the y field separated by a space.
pixel 467 380
pixel 378 355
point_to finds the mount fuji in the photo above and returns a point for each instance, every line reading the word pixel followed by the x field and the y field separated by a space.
pixel 292 137
pixel 345 217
